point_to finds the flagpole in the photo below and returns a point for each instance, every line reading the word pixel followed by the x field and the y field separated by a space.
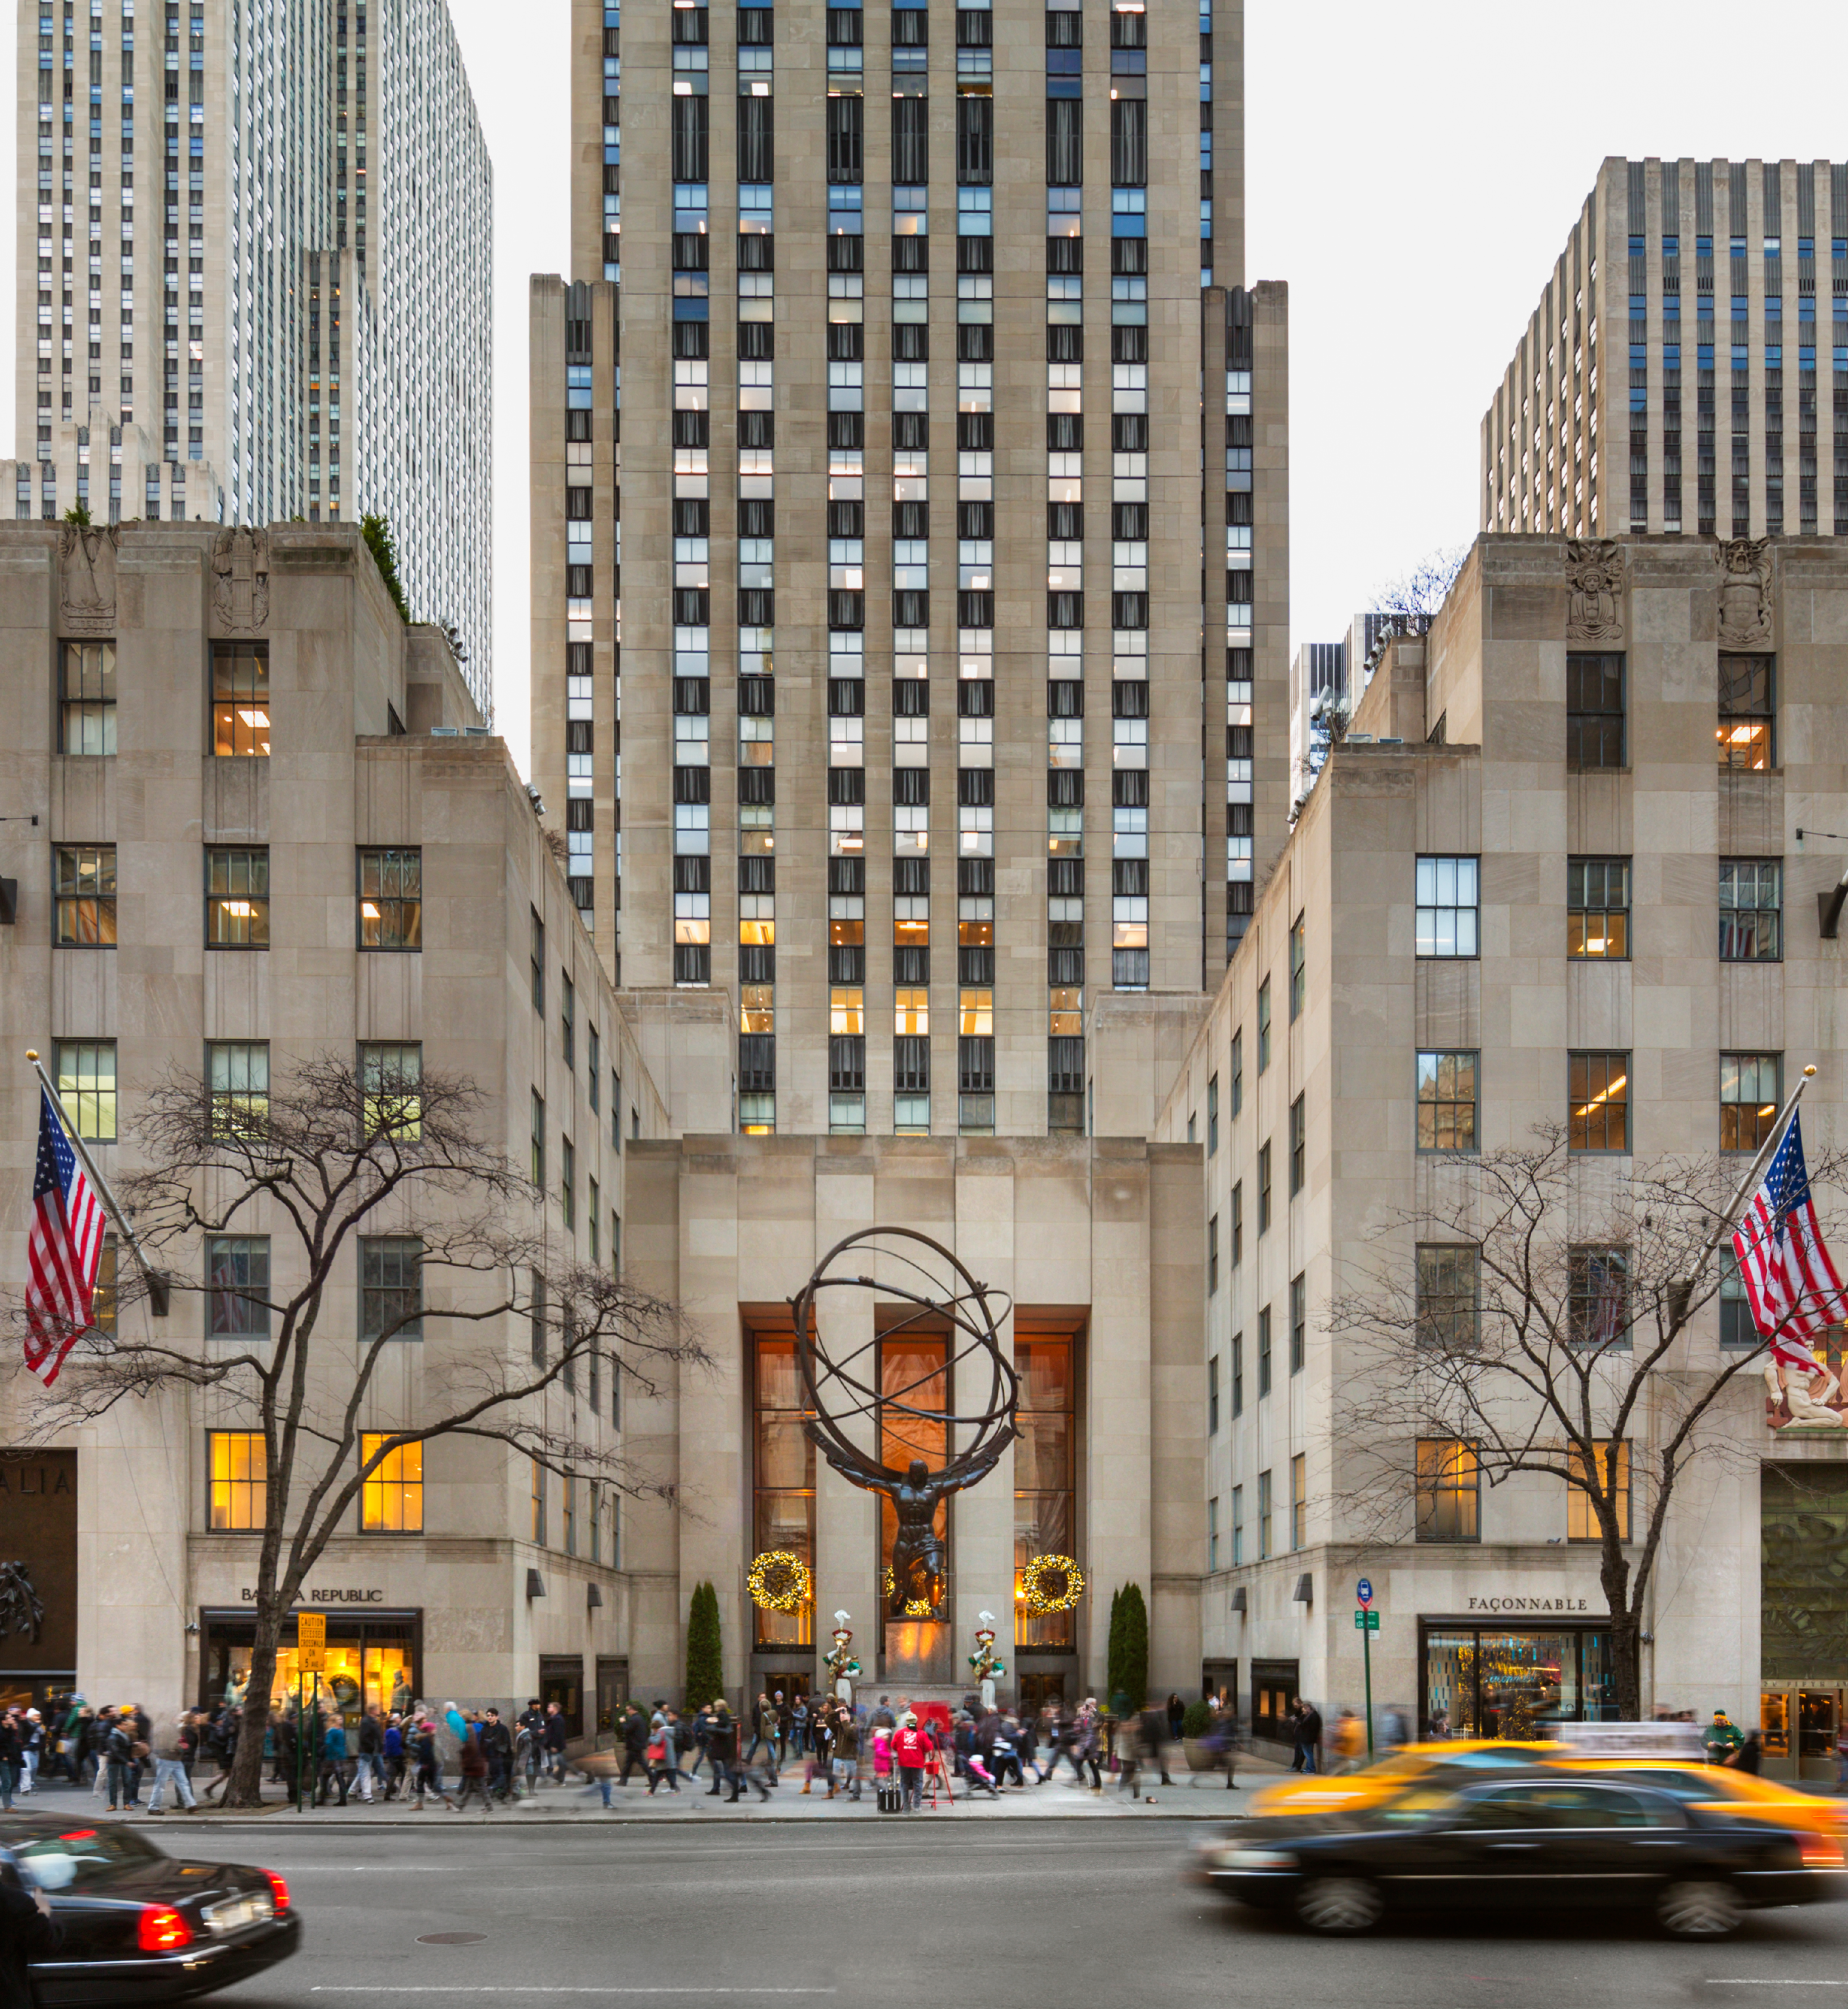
pixel 156 1284
pixel 1681 1291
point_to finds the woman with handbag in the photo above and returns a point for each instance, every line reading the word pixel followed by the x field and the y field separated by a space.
pixel 658 1755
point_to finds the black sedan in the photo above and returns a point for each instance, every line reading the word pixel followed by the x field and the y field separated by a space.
pixel 1494 1846
pixel 138 1926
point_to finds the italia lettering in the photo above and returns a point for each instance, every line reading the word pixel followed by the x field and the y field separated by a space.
pixel 1528 1604
pixel 22 1484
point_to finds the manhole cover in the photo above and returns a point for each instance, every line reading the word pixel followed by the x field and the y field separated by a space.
pixel 450 1939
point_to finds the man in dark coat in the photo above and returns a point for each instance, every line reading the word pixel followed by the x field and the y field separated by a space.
pixel 1306 1737
pixel 27 1933
pixel 553 1738
pixel 634 1743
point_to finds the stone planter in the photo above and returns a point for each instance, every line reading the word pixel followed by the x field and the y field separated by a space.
pixel 1201 1756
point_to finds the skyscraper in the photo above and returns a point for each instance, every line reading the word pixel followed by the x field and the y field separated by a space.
pixel 1657 245
pixel 268 239
pixel 886 345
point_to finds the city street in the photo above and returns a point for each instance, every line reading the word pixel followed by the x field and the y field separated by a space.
pixel 1065 1916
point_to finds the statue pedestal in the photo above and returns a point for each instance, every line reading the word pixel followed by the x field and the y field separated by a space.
pixel 919 1652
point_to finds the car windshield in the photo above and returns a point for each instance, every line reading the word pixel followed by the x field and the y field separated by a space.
pixel 82 1855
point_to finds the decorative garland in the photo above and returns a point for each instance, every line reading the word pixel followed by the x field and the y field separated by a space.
pixel 1051 1583
pixel 917 1607
pixel 779 1581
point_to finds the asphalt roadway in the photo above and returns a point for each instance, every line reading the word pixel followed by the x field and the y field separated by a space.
pixel 1054 1915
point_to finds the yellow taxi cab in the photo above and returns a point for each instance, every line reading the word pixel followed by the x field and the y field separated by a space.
pixel 1720 1788
pixel 1321 1793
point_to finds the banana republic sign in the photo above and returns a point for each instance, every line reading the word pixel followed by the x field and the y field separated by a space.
pixel 38 1531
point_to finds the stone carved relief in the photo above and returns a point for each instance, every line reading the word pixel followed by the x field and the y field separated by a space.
pixel 1744 593
pixel 86 579
pixel 1595 591
pixel 241 581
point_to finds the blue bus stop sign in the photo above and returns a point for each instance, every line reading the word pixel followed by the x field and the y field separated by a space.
pixel 1363 1591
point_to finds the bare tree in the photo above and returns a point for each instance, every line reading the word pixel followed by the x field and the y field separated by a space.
pixel 1543 1327
pixel 1418 593
pixel 511 1322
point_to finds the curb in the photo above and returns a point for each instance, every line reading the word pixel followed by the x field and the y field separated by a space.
pixel 242 1821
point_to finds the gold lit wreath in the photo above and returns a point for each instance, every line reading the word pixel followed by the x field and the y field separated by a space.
pixel 779 1581
pixel 916 1607
pixel 1051 1583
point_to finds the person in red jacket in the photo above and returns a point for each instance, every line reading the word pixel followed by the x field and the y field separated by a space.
pixel 912 1747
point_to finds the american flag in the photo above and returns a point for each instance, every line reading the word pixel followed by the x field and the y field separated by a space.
pixel 1791 1282
pixel 65 1246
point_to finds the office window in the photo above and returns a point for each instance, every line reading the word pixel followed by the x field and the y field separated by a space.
pixel 102 1301
pixel 1751 903
pixel 570 1514
pixel 390 1286
pixel 1212 1396
pixel 87 697
pixel 1238 1223
pixel 1298 971
pixel 1238 1525
pixel 1735 1325
pixel 567 1018
pixel 1212 1255
pixel 536 1165
pixel 1263 1515
pixel 1238 1071
pixel 568 1183
pixel 616 1113
pixel 1594 711
pixel 241 698
pixel 391 1088
pixel 1238 1374
pixel 1597 908
pixel 1598 1305
pixel 1299 1500
pixel 1449 1495
pixel 238 1464
pixel 593 1223
pixel 86 1088
pixel 1450 1295
pixel 1598 1089
pixel 1263 1187
pixel 391 1494
pixel 237 1274
pixel 535 1316
pixel 538 1504
pixel 1750 1090
pixel 1263 1352
pixel 1264 1025
pixel 536 955
pixel 615 1243
pixel 1612 1462
pixel 593 1072
pixel 237 1073
pixel 391 899
pixel 1212 1116
pixel 1449 902
pixel 1299 1323
pixel 1299 1146
pixel 1213 1533
pixel 1447 1101
pixel 1747 732
pixel 84 894
pixel 237 898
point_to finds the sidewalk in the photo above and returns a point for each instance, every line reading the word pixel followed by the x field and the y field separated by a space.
pixel 1200 1796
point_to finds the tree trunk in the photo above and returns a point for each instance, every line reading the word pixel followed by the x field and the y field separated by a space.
pixel 246 1788
pixel 1625 1650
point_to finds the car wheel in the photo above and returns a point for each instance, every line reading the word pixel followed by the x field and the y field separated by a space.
pixel 1341 1905
pixel 1699 1911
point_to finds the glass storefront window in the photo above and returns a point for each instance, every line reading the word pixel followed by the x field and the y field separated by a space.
pixel 1480 1682
pixel 1043 1481
pixel 784 1478
pixel 372 1663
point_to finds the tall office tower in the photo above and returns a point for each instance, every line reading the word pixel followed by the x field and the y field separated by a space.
pixel 286 254
pixel 886 342
pixel 1677 236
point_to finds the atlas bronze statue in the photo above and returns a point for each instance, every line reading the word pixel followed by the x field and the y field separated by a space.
pixel 841 1392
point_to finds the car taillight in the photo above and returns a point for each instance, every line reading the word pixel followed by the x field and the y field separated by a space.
pixel 1819 1853
pixel 279 1889
pixel 162 1930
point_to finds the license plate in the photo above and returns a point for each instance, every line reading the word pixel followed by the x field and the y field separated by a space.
pixel 230 1915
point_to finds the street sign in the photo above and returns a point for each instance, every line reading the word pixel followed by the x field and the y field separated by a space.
pixel 1366 1621
pixel 311 1629
pixel 1363 1591
pixel 311 1660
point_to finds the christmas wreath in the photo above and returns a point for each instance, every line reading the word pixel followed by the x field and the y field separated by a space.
pixel 1051 1583
pixel 780 1581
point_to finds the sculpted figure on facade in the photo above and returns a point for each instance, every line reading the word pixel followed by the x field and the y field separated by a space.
pixel 241 581
pixel 86 579
pixel 1595 582
pixel 1744 593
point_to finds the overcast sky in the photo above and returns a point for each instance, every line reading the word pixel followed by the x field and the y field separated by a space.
pixel 1413 171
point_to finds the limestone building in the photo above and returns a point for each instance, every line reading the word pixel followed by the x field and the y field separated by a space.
pixel 1562 870
pixel 270 824
pixel 1727 430
pixel 871 556
pixel 253 301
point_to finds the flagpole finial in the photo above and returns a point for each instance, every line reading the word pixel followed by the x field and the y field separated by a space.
pixel 32 1053
pixel 1808 1071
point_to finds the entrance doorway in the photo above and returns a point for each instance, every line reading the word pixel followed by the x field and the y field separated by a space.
pixel 1273 1686
pixel 1799 1727
pixel 561 1681
pixel 1218 1681
pixel 612 1692
pixel 1041 1686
